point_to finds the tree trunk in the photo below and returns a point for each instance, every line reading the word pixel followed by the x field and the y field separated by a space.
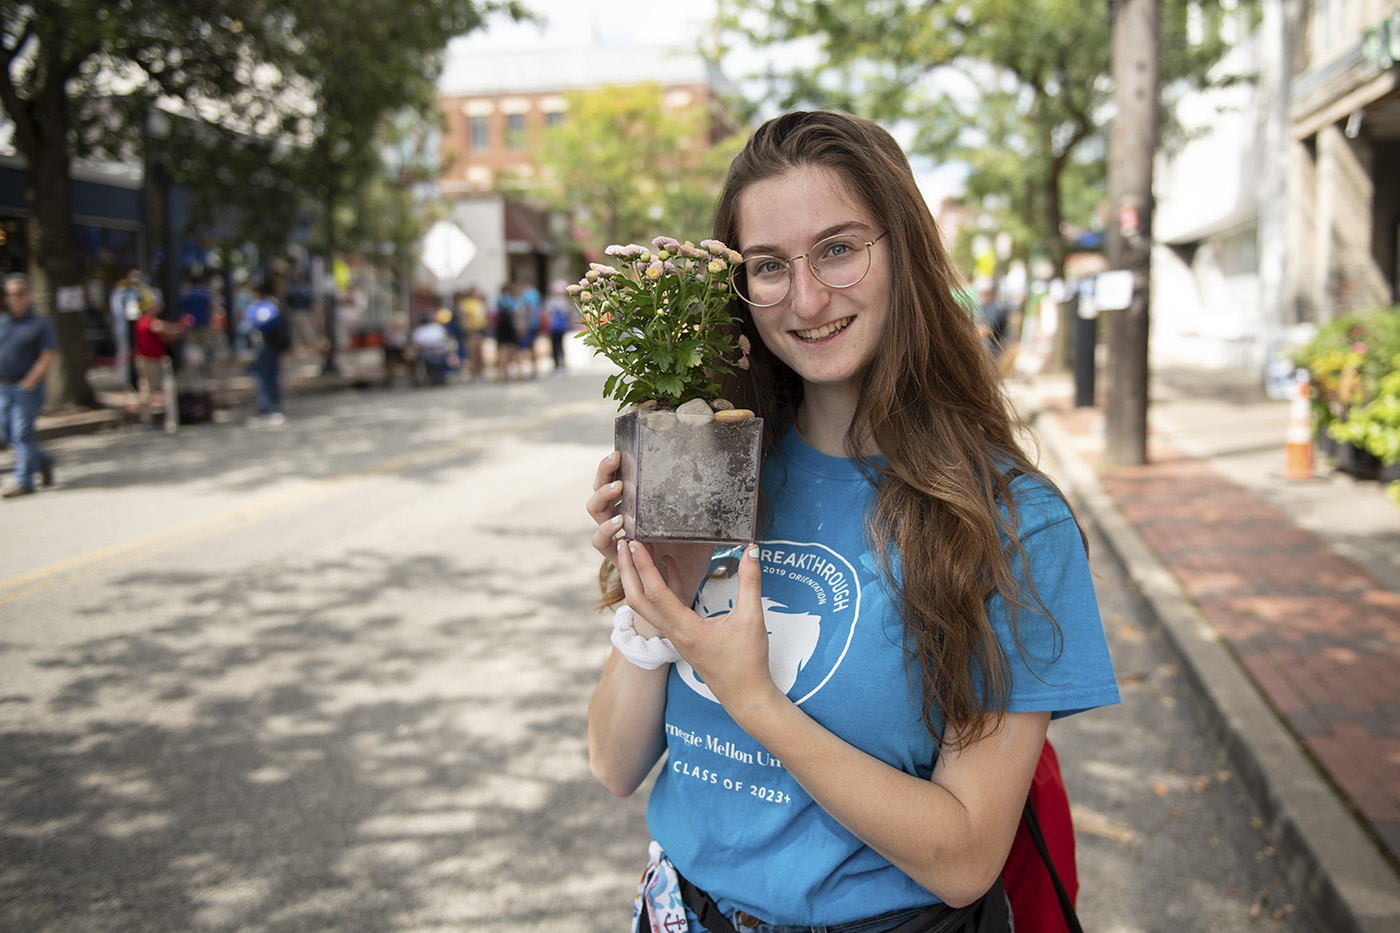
pixel 53 254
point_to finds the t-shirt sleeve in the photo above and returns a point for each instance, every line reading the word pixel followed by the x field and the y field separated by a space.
pixel 48 338
pixel 1061 663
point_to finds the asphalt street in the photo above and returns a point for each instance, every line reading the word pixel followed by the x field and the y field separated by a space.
pixel 332 676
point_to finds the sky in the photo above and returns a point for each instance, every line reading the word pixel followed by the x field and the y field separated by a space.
pixel 610 22
pixel 623 22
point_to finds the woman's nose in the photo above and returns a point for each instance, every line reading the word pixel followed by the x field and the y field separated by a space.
pixel 808 294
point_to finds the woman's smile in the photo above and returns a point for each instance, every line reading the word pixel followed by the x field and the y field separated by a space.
pixel 817 334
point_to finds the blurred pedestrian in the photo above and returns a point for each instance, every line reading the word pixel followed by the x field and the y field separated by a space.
pixel 474 323
pixel 456 338
pixel 527 322
pixel 271 336
pixel 431 341
pixel 507 334
pixel 27 348
pixel 559 311
pixel 992 314
pixel 150 338
pixel 197 317
pixel 125 305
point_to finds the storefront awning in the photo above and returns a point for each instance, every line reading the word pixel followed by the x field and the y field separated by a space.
pixel 1240 218
pixel 526 230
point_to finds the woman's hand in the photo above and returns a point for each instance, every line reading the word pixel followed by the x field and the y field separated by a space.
pixel 602 506
pixel 690 561
pixel 729 652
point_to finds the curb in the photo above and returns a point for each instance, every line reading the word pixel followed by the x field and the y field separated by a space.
pixel 1344 883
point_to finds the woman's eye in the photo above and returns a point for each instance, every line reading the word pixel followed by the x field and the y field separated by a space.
pixel 765 267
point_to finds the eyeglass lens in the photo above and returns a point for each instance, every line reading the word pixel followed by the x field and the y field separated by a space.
pixel 838 262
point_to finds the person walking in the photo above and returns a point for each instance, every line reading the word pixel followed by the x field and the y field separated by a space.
pixel 852 708
pixel 27 347
pixel 559 310
pixel 474 318
pixel 125 305
pixel 507 334
pixel 527 326
pixel 271 336
pixel 150 339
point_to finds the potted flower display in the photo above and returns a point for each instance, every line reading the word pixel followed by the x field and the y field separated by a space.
pixel 1353 366
pixel 690 459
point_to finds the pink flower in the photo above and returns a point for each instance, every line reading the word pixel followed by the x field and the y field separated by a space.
pixel 745 344
pixel 1359 346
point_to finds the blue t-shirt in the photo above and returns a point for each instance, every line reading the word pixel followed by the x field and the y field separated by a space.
pixel 727 813
pixel 22 339
pixel 196 303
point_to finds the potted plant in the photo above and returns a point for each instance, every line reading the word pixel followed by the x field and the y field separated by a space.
pixel 1352 363
pixel 1375 428
pixel 690 460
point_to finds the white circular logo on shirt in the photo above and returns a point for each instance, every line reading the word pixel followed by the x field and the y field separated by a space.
pixel 811 601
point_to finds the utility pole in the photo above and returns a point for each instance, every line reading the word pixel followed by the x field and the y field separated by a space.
pixel 1272 191
pixel 1137 37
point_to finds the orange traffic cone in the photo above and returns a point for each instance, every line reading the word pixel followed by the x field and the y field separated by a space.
pixel 1298 441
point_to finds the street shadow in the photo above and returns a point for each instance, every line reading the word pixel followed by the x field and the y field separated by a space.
pixel 363 743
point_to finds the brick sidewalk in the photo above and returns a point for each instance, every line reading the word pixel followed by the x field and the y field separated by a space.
pixel 1319 636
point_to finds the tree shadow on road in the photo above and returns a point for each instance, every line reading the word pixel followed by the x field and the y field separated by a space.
pixel 407 754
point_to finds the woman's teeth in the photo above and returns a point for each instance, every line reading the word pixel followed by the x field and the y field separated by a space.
pixel 826 330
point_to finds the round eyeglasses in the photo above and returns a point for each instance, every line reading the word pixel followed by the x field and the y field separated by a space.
pixel 837 262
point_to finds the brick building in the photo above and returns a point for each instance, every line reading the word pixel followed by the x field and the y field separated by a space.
pixel 496 105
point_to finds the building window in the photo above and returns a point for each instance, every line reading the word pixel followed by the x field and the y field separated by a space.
pixel 515 131
pixel 554 118
pixel 480 133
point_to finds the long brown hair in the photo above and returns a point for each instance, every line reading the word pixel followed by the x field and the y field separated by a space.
pixel 931 403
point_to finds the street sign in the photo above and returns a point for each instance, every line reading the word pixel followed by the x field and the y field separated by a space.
pixel 447 251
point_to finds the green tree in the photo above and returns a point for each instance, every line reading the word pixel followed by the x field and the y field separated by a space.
pixel 304 83
pixel 1019 90
pixel 630 169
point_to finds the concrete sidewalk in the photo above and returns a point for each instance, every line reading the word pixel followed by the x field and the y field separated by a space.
pixel 231 384
pixel 1281 599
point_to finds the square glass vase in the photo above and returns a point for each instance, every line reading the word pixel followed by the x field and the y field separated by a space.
pixel 683 481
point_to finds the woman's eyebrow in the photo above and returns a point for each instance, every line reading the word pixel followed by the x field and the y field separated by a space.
pixel 846 226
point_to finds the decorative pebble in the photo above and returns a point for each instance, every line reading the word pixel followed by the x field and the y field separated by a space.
pixel 659 420
pixel 695 411
pixel 733 415
pixel 649 404
pixel 722 404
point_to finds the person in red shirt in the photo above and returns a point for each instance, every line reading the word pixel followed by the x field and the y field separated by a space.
pixel 152 334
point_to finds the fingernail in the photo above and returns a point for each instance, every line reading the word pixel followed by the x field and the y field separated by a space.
pixel 753 552
pixel 632 547
pixel 616 519
pixel 615 485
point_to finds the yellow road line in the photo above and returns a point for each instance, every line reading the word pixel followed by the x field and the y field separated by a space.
pixel 45 578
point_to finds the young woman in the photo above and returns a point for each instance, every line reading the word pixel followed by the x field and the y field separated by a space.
pixel 850 721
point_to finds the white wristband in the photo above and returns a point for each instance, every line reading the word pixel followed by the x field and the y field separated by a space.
pixel 646 653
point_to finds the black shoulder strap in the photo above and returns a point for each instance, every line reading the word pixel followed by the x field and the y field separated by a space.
pixel 1033 824
pixel 704 908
